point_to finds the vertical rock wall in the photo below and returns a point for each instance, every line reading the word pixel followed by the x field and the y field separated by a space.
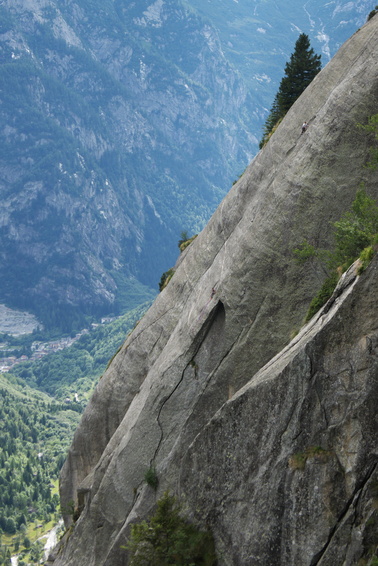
pixel 286 472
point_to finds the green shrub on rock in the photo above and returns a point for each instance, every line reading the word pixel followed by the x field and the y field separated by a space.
pixel 168 539
pixel 165 278
pixel 355 236
pixel 151 477
pixel 183 245
pixel 365 258
pixel 371 15
pixel 322 296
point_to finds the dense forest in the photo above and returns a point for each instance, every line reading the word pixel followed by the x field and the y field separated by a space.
pixel 35 432
pixel 40 406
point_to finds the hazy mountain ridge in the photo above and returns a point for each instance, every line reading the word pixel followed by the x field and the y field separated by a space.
pixel 122 124
pixel 270 442
pixel 92 179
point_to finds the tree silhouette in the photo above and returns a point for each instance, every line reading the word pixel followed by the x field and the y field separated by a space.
pixel 303 66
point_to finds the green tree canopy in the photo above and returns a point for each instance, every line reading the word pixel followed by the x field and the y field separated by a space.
pixel 303 66
pixel 355 235
pixel 168 539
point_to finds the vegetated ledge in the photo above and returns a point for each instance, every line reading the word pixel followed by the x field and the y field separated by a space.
pixel 288 467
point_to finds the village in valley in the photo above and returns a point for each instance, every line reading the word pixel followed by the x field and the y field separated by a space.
pixel 40 349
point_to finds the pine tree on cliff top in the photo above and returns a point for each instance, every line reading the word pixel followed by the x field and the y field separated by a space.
pixel 303 66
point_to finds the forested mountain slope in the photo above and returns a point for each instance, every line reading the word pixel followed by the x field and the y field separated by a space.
pixel 124 123
pixel 209 394
pixel 35 431
pixel 40 406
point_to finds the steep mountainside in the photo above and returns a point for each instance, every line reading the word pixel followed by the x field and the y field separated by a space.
pixel 110 116
pixel 173 397
pixel 122 124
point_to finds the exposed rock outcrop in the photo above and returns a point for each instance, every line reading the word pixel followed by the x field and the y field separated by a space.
pixel 190 394
pixel 16 322
pixel 286 472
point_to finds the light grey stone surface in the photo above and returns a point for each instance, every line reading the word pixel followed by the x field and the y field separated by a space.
pixel 204 390
pixel 286 471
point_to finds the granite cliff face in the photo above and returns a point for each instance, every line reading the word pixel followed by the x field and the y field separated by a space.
pixel 286 472
pixel 273 444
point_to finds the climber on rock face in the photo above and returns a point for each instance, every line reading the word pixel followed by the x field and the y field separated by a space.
pixel 304 127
